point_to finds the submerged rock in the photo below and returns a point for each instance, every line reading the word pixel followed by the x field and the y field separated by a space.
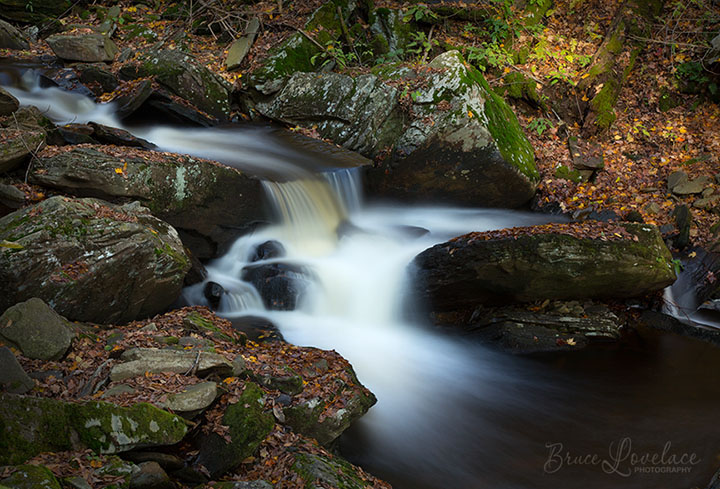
pixel 36 329
pixel 91 260
pixel 282 286
pixel 478 268
pixel 195 196
pixel 29 426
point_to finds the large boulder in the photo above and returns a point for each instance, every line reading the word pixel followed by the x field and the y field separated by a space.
pixel 16 145
pixel 37 330
pixel 11 38
pixel 186 78
pixel 249 424
pixel 210 204
pixel 90 48
pixel 18 11
pixel 29 426
pixel 555 261
pixel 91 260
pixel 460 143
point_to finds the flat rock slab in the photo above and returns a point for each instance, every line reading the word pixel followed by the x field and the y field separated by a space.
pixel 543 262
pixel 38 331
pixel 89 48
pixel 195 398
pixel 137 361
pixel 13 378
pixel 33 425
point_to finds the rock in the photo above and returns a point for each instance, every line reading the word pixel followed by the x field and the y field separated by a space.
pixel 268 250
pixel 165 460
pixel 167 107
pixel 319 470
pixel 474 269
pixel 89 48
pixel 519 330
pixel 692 187
pixel 38 331
pixel 45 11
pixel 653 208
pixel 282 286
pixel 186 78
pixel 90 260
pixel 213 292
pixel 197 272
pixel 67 79
pixel 11 38
pixel 192 195
pixel 195 398
pixel 131 98
pixel 310 419
pixel 291 384
pixel 97 78
pixel 240 485
pixel 16 146
pixel 196 322
pixel 8 103
pixel 118 137
pixel 676 178
pixel 683 222
pixel 137 361
pixel 585 156
pixel 13 378
pixel 30 426
pixel 76 133
pixel 118 390
pixel 707 202
pixel 392 34
pixel 31 477
pixel 239 49
pixel 151 476
pixel 11 196
pixel 249 425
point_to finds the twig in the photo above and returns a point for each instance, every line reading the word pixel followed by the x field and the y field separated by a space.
pixel 195 365
pixel 89 387
pixel 31 152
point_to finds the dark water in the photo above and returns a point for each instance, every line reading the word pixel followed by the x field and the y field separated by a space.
pixel 655 389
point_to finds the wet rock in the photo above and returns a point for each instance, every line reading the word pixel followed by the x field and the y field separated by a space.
pixel 67 79
pixel 683 221
pixel 469 270
pixel 96 77
pixel 8 103
pixel 17 145
pixel 519 330
pixel 281 285
pixel 131 98
pixel 31 477
pixel 170 108
pixel 34 425
pixel 137 361
pixel 186 78
pixel 193 399
pixel 76 133
pixel 268 250
pixel 319 470
pixel 239 49
pixel 118 137
pixel 193 196
pixel 249 425
pixel 89 48
pixel 37 330
pixel 13 378
pixel 90 260
pixel 151 476
pixel 213 292
pixel 11 38
pixel 197 272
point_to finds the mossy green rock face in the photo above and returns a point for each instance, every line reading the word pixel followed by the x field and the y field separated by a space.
pixel 91 260
pixel 249 425
pixel 17 10
pixel 319 471
pixel 209 204
pixel 392 33
pixel 29 426
pixel 36 329
pixel 31 477
pixel 469 271
pixel 90 48
pixel 186 78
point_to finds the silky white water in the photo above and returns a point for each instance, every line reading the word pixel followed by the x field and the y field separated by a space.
pixel 450 413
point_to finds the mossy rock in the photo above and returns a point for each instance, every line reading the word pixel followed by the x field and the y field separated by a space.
pixel 31 477
pixel 391 32
pixel 320 471
pixel 18 11
pixel 29 426
pixel 566 173
pixel 249 425
pixel 16 147
pixel 519 87
pixel 470 270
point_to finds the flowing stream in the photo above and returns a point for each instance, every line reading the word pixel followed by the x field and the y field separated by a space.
pixel 450 413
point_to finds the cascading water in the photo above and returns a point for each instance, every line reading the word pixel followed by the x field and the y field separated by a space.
pixel 450 413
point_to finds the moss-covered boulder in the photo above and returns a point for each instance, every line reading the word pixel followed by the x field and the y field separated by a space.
pixel 208 203
pixel 185 77
pixel 37 330
pixel 391 33
pixel 296 52
pixel 31 477
pixel 18 11
pixel 16 146
pixel 319 471
pixel 249 425
pixel 30 425
pixel 91 260
pixel 90 48
pixel 545 262
pixel 11 38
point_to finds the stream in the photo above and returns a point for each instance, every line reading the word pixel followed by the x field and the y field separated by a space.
pixel 451 413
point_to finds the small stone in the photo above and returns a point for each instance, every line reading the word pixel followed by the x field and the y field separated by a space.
pixel 151 327
pixel 151 476
pixel 676 178
pixel 239 367
pixel 195 398
pixel 39 332
pixel 708 192
pixel 11 196
pixel 13 378
pixel 707 202
pixel 653 208
pixel 692 187
pixel 117 390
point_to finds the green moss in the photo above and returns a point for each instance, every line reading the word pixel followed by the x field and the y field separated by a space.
pixel 319 471
pixel 249 425
pixel 568 174
pixel 31 477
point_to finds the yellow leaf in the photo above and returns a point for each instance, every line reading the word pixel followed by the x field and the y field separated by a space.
pixel 470 114
pixel 584 98
pixel 9 244
pixel 692 255
pixel 118 171
pixel 571 341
